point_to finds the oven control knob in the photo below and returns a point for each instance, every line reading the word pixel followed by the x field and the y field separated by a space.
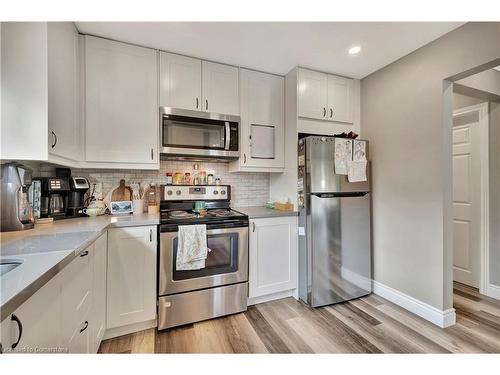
pixel 178 192
pixel 223 192
pixel 216 192
pixel 169 192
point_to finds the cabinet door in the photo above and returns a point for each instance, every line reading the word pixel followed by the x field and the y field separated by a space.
pixel 98 315
pixel 5 335
pixel 340 99
pixel 63 78
pixel 131 275
pixel 180 81
pixel 312 94
pixel 220 88
pixel 121 102
pixel 40 317
pixel 80 342
pixel 262 119
pixel 273 256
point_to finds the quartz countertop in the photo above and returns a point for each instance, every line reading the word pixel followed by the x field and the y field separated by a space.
pixel 46 249
pixel 256 212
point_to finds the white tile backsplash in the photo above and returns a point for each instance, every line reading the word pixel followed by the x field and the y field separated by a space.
pixel 247 189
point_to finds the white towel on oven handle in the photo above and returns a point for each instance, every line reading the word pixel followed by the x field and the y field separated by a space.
pixel 192 247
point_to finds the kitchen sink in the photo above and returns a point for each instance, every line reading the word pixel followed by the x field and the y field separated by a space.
pixel 7 265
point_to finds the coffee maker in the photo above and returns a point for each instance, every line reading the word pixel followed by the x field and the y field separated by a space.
pixel 76 196
pixel 16 211
pixel 54 197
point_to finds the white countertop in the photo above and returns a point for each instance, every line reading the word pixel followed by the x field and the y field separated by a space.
pixel 48 248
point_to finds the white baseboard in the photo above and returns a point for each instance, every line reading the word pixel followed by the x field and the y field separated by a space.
pixel 354 278
pixel 438 317
pixel 131 328
pixel 271 297
pixel 493 291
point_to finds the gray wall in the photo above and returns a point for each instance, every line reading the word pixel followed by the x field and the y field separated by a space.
pixel 494 193
pixel 488 81
pixel 406 114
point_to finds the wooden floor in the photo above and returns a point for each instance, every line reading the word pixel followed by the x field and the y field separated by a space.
pixel 367 325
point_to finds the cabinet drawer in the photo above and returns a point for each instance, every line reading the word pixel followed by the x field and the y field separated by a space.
pixel 76 293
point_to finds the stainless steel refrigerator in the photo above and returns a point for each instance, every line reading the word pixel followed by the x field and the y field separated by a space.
pixel 334 227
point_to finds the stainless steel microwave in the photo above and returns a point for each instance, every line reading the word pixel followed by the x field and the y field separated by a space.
pixel 186 133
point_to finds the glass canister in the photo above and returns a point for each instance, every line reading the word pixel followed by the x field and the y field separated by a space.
pixel 210 179
pixel 187 178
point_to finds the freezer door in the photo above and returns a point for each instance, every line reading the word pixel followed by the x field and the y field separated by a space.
pixel 321 169
pixel 340 248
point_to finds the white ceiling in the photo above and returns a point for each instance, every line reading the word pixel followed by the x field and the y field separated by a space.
pixel 277 47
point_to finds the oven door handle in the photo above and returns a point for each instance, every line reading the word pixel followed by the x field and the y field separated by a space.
pixel 228 136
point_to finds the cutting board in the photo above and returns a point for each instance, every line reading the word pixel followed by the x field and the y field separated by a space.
pixel 121 193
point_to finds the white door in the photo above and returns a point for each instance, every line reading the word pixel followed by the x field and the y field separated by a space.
pixel 220 88
pixel 340 99
pixel 131 275
pixel 98 316
pixel 313 94
pixel 466 198
pixel 63 78
pixel 121 123
pixel 262 119
pixel 180 81
pixel 272 256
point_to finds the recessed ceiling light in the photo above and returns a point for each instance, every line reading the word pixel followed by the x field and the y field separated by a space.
pixel 354 50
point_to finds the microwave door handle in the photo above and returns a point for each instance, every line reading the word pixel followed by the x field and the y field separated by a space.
pixel 228 136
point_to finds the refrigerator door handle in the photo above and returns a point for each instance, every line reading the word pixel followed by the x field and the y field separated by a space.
pixel 345 194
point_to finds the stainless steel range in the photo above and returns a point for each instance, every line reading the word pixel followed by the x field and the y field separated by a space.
pixel 221 287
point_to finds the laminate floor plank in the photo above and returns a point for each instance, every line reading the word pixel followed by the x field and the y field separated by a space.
pixel 369 324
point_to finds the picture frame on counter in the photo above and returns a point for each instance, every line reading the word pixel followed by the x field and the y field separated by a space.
pixel 122 208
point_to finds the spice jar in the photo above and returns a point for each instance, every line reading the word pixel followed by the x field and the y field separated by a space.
pixel 187 178
pixel 217 181
pixel 178 178
pixel 210 179
pixel 169 178
pixel 203 178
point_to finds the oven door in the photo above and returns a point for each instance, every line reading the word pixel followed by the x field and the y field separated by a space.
pixel 226 263
pixel 193 133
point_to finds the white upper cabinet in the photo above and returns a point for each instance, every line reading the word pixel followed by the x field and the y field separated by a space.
pixel 262 122
pixel 340 99
pixel 190 83
pixel 325 97
pixel 312 94
pixel 40 88
pixel 180 81
pixel 63 74
pixel 220 88
pixel 121 103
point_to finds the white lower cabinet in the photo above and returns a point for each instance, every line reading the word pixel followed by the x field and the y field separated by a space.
pixel 98 313
pixel 131 287
pixel 35 327
pixel 273 258
pixel 68 313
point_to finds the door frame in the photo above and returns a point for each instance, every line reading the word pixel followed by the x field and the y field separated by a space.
pixel 484 225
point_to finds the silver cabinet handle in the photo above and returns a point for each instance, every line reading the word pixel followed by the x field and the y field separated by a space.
pixel 253 226
pixel 206 104
pixel 331 113
pixel 324 112
pixel 152 154
pixel 197 103
pixel 54 139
